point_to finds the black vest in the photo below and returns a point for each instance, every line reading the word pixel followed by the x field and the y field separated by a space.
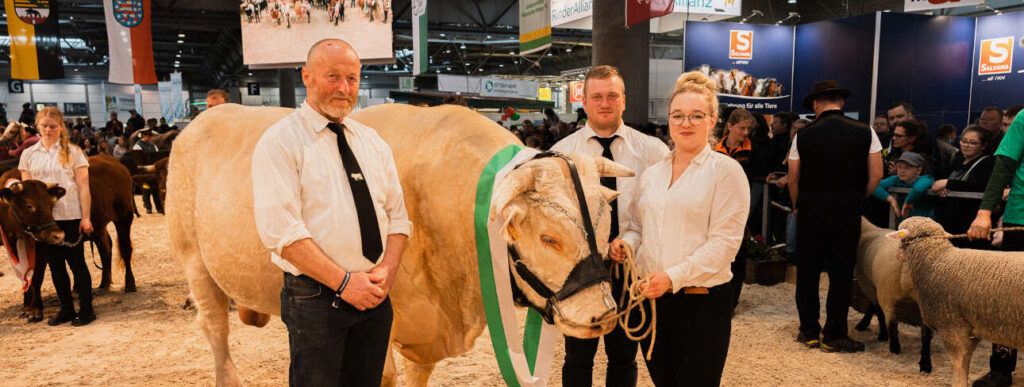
pixel 833 160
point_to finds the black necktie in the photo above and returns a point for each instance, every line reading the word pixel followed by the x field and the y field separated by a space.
pixel 609 182
pixel 369 230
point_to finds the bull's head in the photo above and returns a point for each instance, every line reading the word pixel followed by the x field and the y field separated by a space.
pixel 541 219
pixel 27 210
pixel 11 133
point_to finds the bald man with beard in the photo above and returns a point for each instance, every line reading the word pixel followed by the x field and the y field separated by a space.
pixel 312 173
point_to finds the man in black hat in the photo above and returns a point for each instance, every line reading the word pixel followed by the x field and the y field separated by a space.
pixel 828 184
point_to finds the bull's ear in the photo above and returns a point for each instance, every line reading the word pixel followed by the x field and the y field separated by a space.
pixel 608 194
pixel 511 214
pixel 56 192
pixel 6 195
pixel 897 235
pixel 608 168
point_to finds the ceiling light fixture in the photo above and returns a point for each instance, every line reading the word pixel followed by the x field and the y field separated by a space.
pixel 181 35
pixel 181 41
pixel 751 16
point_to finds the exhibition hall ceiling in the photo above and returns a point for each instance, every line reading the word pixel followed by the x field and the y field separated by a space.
pixel 465 37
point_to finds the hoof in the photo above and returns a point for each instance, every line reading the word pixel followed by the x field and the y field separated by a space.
pixel 926 369
pixel 33 320
pixel 130 289
pixel 861 328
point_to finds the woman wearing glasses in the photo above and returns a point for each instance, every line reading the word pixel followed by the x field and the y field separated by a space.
pixel 968 172
pixel 908 136
pixel 687 226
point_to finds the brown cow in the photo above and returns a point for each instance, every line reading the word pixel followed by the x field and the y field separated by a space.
pixel 112 201
pixel 156 177
pixel 25 206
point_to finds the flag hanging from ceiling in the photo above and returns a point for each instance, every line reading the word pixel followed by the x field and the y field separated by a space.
pixel 419 37
pixel 130 37
pixel 639 11
pixel 35 38
pixel 534 25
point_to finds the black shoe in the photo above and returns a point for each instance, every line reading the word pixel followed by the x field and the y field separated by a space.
pixel 84 319
pixel 61 317
pixel 808 340
pixel 994 379
pixel 842 344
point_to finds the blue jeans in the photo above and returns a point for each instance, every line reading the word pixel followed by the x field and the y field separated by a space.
pixel 791 238
pixel 332 346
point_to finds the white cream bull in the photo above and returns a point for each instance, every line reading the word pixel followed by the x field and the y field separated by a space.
pixel 440 153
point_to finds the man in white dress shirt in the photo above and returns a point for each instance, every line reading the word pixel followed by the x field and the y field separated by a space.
pixel 326 195
pixel 605 135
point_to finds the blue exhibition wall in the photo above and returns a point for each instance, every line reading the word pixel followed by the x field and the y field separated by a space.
pixel 926 61
pixel 998 66
pixel 840 49
pixel 751 64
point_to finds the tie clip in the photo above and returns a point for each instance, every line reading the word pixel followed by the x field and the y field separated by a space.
pixel 356 176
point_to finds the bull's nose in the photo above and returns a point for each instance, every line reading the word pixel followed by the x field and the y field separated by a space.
pixel 57 237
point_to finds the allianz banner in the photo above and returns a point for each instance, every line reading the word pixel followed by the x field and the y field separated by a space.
pixel 752 65
pixel 998 61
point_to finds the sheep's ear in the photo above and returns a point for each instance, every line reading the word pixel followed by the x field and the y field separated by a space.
pixel 897 235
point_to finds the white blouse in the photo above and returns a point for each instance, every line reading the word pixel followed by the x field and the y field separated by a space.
pixel 300 189
pixel 44 165
pixel 692 228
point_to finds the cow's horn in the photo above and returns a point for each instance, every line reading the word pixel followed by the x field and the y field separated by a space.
pixel 50 186
pixel 608 168
pixel 148 168
pixel 514 184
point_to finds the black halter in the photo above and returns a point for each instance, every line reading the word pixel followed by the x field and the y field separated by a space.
pixel 588 272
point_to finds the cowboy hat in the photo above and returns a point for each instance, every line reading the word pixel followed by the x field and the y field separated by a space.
pixel 824 88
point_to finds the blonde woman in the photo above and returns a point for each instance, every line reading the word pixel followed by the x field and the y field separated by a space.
pixel 54 160
pixel 687 224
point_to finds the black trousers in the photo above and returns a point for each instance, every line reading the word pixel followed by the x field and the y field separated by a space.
pixel 693 338
pixel 60 258
pixel 332 346
pixel 1004 359
pixel 827 238
pixel 739 271
pixel 578 369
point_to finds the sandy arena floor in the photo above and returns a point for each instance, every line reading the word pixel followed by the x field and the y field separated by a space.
pixel 146 338
pixel 267 42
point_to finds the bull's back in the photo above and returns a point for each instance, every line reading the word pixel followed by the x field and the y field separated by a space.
pixel 110 185
pixel 210 202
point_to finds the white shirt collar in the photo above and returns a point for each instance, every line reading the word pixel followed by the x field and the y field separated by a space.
pixel 588 132
pixel 699 159
pixel 316 120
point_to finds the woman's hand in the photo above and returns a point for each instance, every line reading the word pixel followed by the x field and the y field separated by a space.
pixel 658 283
pixel 891 167
pixel 85 226
pixel 939 185
pixel 618 250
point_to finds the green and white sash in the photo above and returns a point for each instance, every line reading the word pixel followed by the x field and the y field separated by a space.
pixel 521 365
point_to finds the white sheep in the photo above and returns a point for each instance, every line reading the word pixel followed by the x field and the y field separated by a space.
pixel 886 282
pixel 965 295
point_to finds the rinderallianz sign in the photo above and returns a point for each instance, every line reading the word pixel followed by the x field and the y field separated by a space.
pixel 488 87
pixel 577 13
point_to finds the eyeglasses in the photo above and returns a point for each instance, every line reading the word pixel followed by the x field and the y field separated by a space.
pixel 899 135
pixel 694 119
pixel 970 143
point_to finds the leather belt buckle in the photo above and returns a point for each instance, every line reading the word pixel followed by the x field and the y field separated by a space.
pixel 696 290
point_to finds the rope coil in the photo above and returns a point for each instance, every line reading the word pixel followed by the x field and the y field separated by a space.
pixel 633 298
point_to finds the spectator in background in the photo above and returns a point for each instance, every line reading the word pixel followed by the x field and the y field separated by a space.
pixel 906 137
pixel 550 118
pixel 88 147
pixel 833 164
pixel 1011 113
pixel 151 124
pixel 163 127
pixel 146 145
pixel 947 135
pixel 881 127
pixel 3 115
pixel 738 145
pixel 991 120
pixel 114 126
pixel 216 97
pixel 581 115
pixel 782 125
pixel 135 122
pixel 79 124
pixel 120 148
pixel 797 125
pixel 28 116
pixel 11 156
pixel 102 148
pixel 455 100
pixel 109 137
pixel 908 175
pixel 899 112
pixel 969 172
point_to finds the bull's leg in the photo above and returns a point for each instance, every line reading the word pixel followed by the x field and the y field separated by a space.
pixel 34 295
pixel 416 374
pixel 124 247
pixel 390 377
pixel 212 306
pixel 101 240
